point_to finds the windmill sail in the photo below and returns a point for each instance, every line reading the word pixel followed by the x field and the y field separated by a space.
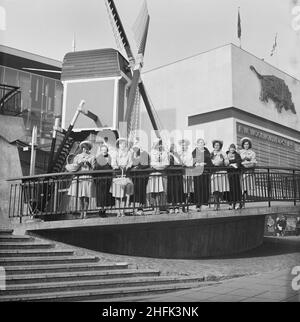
pixel 141 26
pixel 118 28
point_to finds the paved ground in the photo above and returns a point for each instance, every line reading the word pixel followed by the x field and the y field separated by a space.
pixel 268 287
pixel 275 254
pixel 262 274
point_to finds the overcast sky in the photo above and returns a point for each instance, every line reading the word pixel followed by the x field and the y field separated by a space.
pixel 178 28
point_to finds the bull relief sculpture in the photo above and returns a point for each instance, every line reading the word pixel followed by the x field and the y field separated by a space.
pixel 275 89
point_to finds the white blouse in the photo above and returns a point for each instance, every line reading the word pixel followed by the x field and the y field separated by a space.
pixel 159 159
pixel 185 158
pixel 122 159
pixel 248 158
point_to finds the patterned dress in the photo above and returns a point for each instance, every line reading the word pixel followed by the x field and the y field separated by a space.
pixel 157 182
pixel 83 184
pixel 248 178
pixel 186 160
pixel 122 186
pixel 219 179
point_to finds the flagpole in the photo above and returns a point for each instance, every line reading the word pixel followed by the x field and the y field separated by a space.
pixel 239 28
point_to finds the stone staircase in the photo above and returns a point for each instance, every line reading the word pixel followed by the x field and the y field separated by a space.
pixel 39 271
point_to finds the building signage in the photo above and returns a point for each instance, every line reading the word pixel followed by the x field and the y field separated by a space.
pixel 250 131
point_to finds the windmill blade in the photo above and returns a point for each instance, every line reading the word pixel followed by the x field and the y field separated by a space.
pixel 140 24
pixel 136 81
pixel 43 70
pixel 137 73
pixel 148 105
pixel 132 92
pixel 119 26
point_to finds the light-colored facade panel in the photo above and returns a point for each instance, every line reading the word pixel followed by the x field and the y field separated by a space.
pixel 195 85
pixel 247 89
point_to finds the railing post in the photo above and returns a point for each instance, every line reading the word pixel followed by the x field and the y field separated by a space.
pixel 55 196
pixel 269 188
pixel 294 188
pixel 77 190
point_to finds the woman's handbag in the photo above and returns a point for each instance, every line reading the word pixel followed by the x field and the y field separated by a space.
pixel 71 167
pixel 122 181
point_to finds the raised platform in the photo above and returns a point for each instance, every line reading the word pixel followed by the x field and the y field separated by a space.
pixel 193 235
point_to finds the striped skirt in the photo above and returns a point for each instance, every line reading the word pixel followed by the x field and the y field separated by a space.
pixel 83 187
pixel 157 183
pixel 219 182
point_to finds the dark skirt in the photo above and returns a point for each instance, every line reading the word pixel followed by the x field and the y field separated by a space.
pixel 175 193
pixel 235 193
pixel 103 184
pixel 140 181
pixel 201 189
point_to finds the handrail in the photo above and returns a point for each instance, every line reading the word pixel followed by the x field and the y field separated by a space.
pixel 169 188
pixel 93 172
pixel 10 100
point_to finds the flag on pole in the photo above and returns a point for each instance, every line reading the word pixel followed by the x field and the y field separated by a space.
pixel 74 42
pixel 239 28
pixel 274 46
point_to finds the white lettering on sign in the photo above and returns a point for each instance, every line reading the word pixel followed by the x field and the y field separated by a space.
pixel 247 130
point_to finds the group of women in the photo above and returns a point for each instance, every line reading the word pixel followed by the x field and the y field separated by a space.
pixel 166 179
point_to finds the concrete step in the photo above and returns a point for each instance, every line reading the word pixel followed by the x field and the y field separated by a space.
pixel 149 297
pixel 34 252
pixel 99 294
pixel 68 267
pixel 6 231
pixel 79 276
pixel 25 245
pixel 11 261
pixel 15 238
pixel 96 284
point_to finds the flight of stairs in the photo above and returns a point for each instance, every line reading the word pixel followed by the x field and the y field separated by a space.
pixel 39 271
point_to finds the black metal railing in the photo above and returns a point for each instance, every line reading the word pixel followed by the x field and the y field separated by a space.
pixel 10 100
pixel 148 191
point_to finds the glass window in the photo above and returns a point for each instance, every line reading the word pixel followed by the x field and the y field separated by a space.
pixel 11 77
pixel 25 86
pixel 1 74
pixel 49 90
pixel 58 98
pixel 36 92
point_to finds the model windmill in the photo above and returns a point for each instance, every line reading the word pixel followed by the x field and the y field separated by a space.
pixel 137 86
pixel 110 87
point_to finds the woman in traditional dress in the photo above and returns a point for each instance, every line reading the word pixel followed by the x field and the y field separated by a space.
pixel 140 160
pixel 219 178
pixel 103 180
pixel 83 186
pixel 185 160
pixel 235 194
pixel 249 162
pixel 175 194
pixel 202 163
pixel 157 184
pixel 122 187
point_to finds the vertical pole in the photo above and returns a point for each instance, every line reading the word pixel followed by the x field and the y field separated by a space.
pixel 77 190
pixel 294 188
pixel 269 189
pixel 33 150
